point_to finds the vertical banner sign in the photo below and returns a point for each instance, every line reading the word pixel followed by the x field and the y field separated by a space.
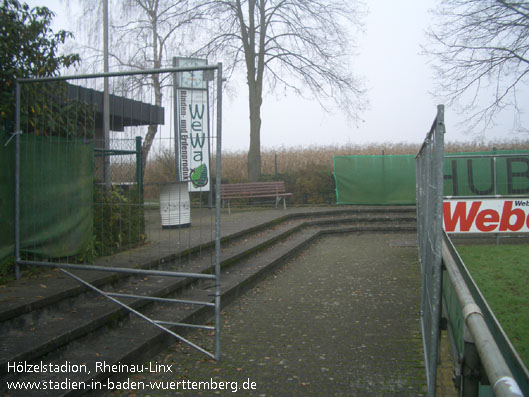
pixel 193 126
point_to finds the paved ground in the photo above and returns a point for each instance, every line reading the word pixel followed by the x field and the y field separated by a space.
pixel 342 319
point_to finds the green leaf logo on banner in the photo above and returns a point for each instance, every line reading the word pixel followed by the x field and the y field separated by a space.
pixel 199 175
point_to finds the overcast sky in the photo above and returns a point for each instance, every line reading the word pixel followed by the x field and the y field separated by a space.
pixel 398 79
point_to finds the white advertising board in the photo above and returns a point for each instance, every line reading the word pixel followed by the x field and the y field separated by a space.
pixel 486 215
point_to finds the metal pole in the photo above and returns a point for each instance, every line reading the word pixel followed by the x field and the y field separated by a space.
pixel 139 169
pixel 176 122
pixel 210 143
pixel 118 74
pixel 218 178
pixel 495 176
pixel 17 180
pixel 123 270
pixel 106 105
pixel 437 228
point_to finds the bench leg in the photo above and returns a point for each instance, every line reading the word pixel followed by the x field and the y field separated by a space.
pixel 278 200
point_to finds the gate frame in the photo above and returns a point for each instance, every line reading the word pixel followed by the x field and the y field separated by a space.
pixel 111 296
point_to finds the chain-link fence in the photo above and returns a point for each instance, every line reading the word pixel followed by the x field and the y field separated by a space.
pixel 429 229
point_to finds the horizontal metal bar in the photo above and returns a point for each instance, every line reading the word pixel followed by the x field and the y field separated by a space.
pixel 208 327
pixel 116 74
pixel 464 156
pixel 490 196
pixel 113 152
pixel 110 269
pixel 141 315
pixel 158 299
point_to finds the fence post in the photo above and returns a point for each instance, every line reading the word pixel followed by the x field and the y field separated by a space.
pixel 17 180
pixel 218 182
pixel 139 168
pixel 175 117
pixel 275 167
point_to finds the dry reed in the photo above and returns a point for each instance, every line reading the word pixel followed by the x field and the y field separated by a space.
pixel 292 160
pixel 297 161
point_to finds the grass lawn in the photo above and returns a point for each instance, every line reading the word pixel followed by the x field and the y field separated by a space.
pixel 502 274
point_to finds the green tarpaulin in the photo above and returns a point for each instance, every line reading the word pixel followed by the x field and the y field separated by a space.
pixel 375 179
pixel 466 174
pixel 56 195
pixel 388 180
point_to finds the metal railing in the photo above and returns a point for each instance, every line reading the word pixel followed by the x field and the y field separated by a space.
pixel 475 325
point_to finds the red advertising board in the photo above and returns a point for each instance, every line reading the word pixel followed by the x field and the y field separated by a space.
pixel 486 215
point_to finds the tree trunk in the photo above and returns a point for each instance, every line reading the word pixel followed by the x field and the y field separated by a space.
pixel 153 128
pixel 157 63
pixel 255 82
pixel 147 143
pixel 254 153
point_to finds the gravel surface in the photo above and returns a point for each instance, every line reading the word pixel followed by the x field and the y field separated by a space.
pixel 341 319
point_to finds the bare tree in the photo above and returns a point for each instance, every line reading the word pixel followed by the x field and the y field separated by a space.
pixel 295 44
pixel 142 32
pixel 480 50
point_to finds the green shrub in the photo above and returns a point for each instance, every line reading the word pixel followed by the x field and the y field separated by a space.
pixel 314 185
pixel 6 269
pixel 119 222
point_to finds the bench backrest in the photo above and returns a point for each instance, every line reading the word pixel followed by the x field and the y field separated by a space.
pixel 252 189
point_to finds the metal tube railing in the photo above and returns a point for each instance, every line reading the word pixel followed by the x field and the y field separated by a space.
pixel 110 269
pixel 118 74
pixel 497 370
pixel 140 315
pixel 158 299
pixel 218 182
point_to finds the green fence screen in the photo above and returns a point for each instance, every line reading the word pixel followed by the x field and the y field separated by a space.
pixel 56 195
pixel 375 179
pixel 390 180
pixel 468 175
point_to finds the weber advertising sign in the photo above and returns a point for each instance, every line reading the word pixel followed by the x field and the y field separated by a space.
pixel 193 126
pixel 486 215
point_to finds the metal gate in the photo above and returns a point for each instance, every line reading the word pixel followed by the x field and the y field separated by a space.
pixel 71 205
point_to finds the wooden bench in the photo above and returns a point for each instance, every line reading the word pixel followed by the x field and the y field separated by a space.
pixel 254 190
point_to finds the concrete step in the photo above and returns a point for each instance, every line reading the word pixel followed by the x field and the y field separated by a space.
pixel 55 287
pixel 88 328
pixel 47 328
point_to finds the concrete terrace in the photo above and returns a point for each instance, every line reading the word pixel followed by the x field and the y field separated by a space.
pixel 336 316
